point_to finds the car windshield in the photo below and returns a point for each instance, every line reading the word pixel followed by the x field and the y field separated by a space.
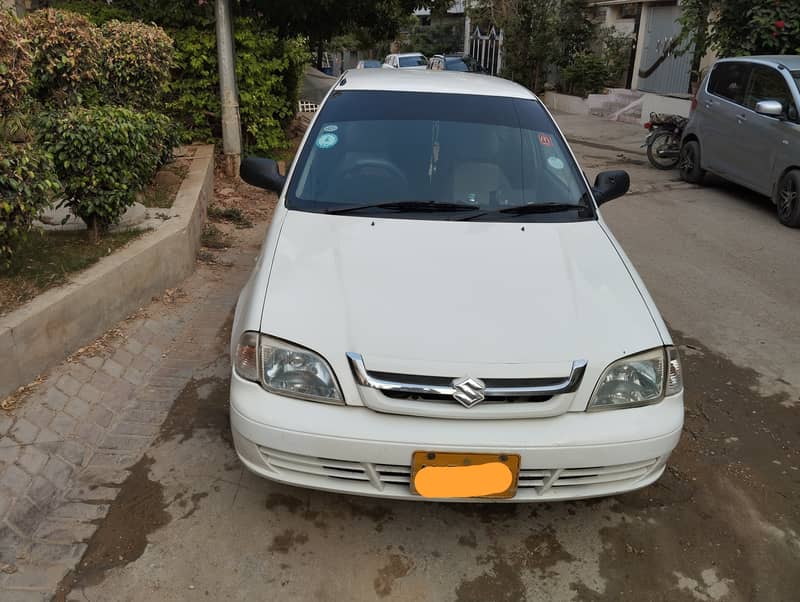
pixel 457 64
pixel 372 64
pixel 453 152
pixel 796 76
pixel 412 61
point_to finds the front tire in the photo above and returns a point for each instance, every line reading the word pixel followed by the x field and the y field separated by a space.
pixel 690 163
pixel 789 199
pixel 662 141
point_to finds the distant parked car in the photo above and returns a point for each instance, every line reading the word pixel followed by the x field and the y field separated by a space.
pixel 369 64
pixel 455 62
pixel 406 60
pixel 746 128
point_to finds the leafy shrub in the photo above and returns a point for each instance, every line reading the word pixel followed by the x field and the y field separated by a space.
pixel 15 62
pixel 615 48
pixel 193 93
pixel 27 183
pixel 136 61
pixel 586 74
pixel 67 53
pixel 268 69
pixel 103 156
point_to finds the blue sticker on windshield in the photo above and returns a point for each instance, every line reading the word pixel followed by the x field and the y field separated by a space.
pixel 327 140
pixel 556 163
pixel 330 128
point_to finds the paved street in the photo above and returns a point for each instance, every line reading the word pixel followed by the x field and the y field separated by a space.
pixel 167 513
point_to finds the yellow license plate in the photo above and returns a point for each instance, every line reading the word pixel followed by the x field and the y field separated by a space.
pixel 448 475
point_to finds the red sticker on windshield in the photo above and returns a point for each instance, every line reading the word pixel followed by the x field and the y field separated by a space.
pixel 545 140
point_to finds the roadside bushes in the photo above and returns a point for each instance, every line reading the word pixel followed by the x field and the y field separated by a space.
pixel 66 50
pixel 136 62
pixel 15 63
pixel 27 185
pixel 75 62
pixel 103 156
pixel 76 118
pixel 269 67
pixel 268 70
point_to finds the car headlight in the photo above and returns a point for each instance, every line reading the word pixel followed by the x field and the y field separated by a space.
pixel 286 369
pixel 638 380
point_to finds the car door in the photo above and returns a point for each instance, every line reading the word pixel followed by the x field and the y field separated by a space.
pixel 722 108
pixel 765 137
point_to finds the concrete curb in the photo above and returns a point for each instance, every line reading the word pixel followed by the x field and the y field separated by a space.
pixel 42 333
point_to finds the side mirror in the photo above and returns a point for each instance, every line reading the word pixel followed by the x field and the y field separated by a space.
pixel 261 172
pixel 609 185
pixel 770 108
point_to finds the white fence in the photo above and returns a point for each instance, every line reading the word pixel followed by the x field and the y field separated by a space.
pixel 487 49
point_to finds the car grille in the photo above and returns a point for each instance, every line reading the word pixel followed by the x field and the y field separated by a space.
pixel 537 482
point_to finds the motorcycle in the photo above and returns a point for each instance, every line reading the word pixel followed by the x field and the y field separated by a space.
pixel 664 140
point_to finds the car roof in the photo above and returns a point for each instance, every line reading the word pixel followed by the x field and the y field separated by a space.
pixel 790 61
pixel 443 82
pixel 401 54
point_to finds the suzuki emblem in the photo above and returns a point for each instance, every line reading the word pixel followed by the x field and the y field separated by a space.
pixel 469 391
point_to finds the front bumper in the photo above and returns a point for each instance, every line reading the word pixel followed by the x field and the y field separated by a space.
pixel 359 451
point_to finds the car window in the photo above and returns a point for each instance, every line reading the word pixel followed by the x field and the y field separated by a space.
pixel 412 61
pixel 729 80
pixel 457 65
pixel 767 84
pixel 488 152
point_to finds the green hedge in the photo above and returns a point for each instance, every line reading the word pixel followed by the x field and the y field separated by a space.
pixel 136 62
pixel 103 156
pixel 27 184
pixel 269 68
pixel 15 63
pixel 66 51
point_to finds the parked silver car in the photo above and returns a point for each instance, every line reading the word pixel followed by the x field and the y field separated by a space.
pixel 746 128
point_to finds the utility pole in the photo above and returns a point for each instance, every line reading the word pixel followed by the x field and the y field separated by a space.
pixel 229 95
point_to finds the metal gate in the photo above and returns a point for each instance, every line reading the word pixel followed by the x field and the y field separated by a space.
pixel 487 49
pixel 661 71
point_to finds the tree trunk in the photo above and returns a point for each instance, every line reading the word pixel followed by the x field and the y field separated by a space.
pixel 700 45
pixel 320 50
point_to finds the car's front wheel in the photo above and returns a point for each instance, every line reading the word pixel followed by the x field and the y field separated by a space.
pixel 789 199
pixel 689 163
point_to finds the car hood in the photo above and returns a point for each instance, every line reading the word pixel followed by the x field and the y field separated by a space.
pixel 445 297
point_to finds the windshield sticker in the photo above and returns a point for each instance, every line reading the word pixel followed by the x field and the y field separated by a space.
pixel 330 128
pixel 555 163
pixel 545 140
pixel 328 140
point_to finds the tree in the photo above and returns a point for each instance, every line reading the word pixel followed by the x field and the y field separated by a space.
pixel 740 27
pixel 575 30
pixel 531 38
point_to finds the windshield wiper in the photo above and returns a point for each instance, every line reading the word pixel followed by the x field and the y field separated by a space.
pixel 430 206
pixel 542 208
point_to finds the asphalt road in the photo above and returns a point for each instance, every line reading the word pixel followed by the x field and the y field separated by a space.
pixel 722 524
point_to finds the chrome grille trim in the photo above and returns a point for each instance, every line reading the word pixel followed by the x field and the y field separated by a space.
pixel 433 385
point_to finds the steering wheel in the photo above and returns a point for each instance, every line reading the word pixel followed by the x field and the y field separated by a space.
pixel 378 164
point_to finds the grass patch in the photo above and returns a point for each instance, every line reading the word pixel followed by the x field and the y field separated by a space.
pixel 233 215
pixel 214 238
pixel 47 259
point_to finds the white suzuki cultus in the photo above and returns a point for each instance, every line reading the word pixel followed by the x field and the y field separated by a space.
pixel 440 312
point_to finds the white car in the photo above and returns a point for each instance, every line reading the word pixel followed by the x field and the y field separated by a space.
pixel 406 60
pixel 439 310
